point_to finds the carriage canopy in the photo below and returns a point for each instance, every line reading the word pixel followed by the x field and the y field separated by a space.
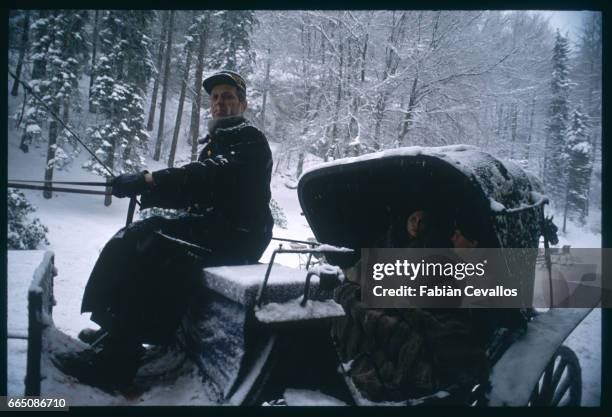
pixel 350 202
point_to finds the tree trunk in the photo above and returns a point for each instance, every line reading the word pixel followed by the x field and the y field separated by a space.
pixel 381 105
pixel 110 162
pixel 513 128
pixel 593 114
pixel 409 111
pixel 265 93
pixel 363 57
pixel 160 57
pixel 348 96
pixel 39 66
pixel 108 198
pixel 500 121
pixel 197 103
pixel 22 52
pixel 391 64
pixel 53 131
pixel 162 110
pixel 66 112
pixel 306 44
pixel 179 111
pixel 300 164
pixel 94 49
pixel 531 118
pixel 565 210
pixel 333 142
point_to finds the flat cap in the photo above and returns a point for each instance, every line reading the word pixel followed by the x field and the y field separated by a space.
pixel 224 77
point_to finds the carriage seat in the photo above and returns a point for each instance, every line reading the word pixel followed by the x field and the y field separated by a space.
pixel 241 283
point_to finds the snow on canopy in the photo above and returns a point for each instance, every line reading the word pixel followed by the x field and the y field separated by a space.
pixel 497 179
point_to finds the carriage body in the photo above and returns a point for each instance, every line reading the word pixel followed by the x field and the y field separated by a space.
pixel 350 202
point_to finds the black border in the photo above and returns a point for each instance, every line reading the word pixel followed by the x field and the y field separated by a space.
pixel 315 4
pixel 606 365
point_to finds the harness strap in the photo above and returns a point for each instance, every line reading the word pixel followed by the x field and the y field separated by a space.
pixel 56 189
pixel 549 232
pixel 91 184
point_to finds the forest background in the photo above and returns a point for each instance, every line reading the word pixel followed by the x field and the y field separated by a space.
pixel 322 84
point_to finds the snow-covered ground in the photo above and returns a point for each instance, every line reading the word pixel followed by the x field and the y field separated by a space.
pixel 80 225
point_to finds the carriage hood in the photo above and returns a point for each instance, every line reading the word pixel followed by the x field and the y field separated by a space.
pixel 349 202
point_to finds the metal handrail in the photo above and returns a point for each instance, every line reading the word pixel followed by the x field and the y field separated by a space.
pixel 264 284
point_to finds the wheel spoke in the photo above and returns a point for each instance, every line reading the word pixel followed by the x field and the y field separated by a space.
pixel 559 372
pixel 561 390
pixel 548 389
pixel 535 394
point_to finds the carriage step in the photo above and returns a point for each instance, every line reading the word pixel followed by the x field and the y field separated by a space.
pixel 293 311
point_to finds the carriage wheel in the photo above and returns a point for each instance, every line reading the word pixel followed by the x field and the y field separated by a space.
pixel 560 383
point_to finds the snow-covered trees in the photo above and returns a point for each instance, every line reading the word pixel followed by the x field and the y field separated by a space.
pixel 200 27
pixel 34 113
pixel 190 40
pixel 570 142
pixel 23 232
pixel 587 71
pixel 587 74
pixel 23 47
pixel 579 169
pixel 555 157
pixel 94 50
pixel 122 73
pixel 65 58
pixel 161 44
pixel 277 214
pixel 164 98
pixel 345 83
pixel 233 49
pixel 323 84
pixel 59 50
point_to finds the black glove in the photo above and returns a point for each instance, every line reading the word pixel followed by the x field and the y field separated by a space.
pixel 129 185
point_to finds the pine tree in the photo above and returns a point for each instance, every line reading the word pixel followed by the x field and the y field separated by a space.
pixel 555 161
pixel 34 113
pixel 162 105
pixel 94 49
pixel 122 73
pixel 234 50
pixel 23 232
pixel 280 220
pixel 70 55
pixel 158 67
pixel 587 74
pixel 59 51
pixel 25 29
pixel 579 170
pixel 188 50
pixel 202 23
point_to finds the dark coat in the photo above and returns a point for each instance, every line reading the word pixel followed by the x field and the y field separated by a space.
pixel 141 283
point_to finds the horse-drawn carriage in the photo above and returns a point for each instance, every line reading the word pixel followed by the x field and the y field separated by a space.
pixel 259 333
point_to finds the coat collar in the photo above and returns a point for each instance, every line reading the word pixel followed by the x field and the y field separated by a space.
pixel 224 123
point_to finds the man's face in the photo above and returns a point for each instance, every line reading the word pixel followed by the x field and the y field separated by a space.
pixel 224 101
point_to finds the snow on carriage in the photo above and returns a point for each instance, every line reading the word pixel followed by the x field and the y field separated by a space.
pixel 262 332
